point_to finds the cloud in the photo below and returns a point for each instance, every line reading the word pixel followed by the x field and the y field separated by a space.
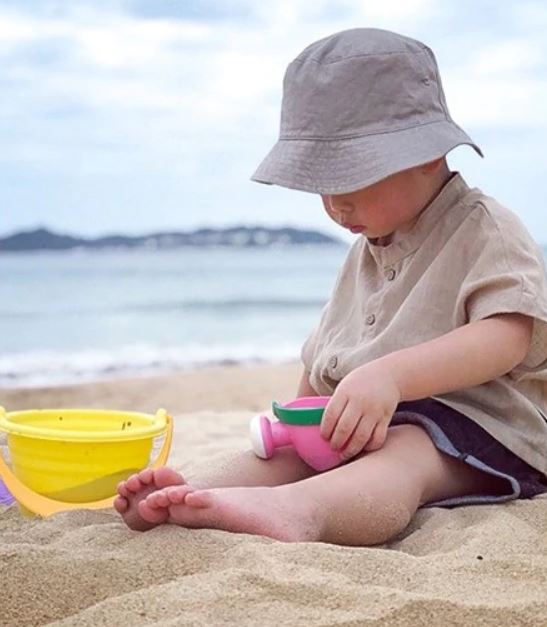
pixel 510 57
pixel 497 102
pixel 186 96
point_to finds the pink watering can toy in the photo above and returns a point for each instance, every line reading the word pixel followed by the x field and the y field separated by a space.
pixel 298 424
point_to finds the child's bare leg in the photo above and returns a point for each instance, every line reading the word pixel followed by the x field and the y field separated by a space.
pixel 235 469
pixel 244 468
pixel 365 502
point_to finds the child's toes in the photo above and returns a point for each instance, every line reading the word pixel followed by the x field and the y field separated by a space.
pixel 157 499
pixel 120 504
pixel 177 494
pixel 165 476
pixel 133 483
pixel 146 476
pixel 154 515
pixel 122 489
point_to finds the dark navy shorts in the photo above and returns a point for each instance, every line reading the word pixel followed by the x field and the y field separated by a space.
pixel 459 436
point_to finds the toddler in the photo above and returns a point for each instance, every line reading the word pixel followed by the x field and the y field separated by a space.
pixel 433 345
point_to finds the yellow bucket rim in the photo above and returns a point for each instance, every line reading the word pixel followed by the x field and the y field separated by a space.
pixel 157 425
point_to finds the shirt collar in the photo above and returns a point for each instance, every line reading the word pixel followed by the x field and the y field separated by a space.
pixel 450 194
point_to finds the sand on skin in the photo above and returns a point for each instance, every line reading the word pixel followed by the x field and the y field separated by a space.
pixel 484 565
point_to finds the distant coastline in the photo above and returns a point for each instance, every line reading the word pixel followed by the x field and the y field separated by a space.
pixel 238 236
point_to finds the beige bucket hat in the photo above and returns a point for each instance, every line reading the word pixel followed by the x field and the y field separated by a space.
pixel 357 107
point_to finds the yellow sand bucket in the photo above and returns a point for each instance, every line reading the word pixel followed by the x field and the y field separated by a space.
pixel 74 458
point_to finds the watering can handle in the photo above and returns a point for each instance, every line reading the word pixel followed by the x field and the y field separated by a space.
pixel 43 506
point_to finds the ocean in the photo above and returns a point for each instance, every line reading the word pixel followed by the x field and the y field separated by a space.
pixel 69 317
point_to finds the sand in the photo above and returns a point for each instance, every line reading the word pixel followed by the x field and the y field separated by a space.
pixel 481 565
pixel 215 389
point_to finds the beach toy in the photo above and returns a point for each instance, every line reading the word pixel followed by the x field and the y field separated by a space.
pixel 66 459
pixel 298 425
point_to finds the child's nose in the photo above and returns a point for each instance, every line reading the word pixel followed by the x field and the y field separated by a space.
pixel 338 205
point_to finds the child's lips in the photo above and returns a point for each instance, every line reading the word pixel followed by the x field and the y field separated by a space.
pixel 356 228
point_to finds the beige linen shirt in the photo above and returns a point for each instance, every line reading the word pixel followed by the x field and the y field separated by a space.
pixel 465 259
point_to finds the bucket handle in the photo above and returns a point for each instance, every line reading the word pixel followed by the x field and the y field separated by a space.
pixel 44 506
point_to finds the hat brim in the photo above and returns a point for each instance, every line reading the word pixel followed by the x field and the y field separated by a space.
pixel 342 166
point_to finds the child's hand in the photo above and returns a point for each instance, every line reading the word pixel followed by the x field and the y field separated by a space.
pixel 360 410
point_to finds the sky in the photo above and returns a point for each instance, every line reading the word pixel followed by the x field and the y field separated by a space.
pixel 138 116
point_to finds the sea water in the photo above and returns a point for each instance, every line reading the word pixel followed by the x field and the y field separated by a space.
pixel 67 317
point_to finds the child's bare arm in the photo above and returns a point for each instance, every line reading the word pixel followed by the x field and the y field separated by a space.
pixel 473 354
pixel 365 400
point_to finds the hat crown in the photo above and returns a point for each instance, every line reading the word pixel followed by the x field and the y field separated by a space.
pixel 359 41
pixel 359 82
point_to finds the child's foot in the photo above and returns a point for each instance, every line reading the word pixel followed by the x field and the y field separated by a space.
pixel 133 491
pixel 278 512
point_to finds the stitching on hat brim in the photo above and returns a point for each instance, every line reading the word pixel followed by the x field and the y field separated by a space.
pixel 357 136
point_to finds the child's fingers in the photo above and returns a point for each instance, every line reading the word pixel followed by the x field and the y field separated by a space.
pixel 377 438
pixel 358 439
pixel 332 413
pixel 345 426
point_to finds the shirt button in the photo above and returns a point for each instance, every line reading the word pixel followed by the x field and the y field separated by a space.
pixel 370 319
pixel 390 274
pixel 333 362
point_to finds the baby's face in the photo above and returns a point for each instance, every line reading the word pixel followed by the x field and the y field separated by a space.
pixel 392 204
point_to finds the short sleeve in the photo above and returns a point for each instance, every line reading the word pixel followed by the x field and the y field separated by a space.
pixel 508 276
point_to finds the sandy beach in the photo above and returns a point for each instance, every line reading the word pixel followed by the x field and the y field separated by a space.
pixel 481 565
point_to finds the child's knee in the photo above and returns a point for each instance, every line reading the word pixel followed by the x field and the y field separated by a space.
pixel 410 441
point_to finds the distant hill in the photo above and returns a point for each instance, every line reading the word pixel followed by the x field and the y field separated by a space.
pixel 238 236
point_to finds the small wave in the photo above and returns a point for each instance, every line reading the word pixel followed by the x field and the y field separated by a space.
pixel 49 368
pixel 236 303
pixel 174 306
